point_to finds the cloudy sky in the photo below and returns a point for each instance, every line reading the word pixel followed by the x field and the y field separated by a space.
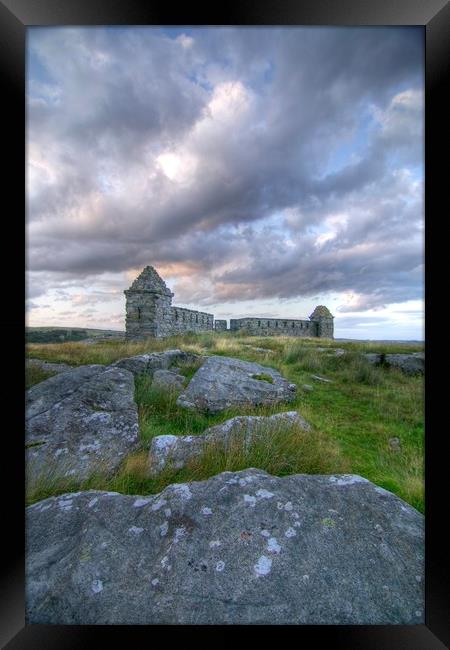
pixel 261 171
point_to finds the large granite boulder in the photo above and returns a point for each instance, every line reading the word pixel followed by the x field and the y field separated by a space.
pixel 239 548
pixel 179 450
pixel 223 382
pixel 374 358
pixel 410 364
pixel 146 364
pixel 80 422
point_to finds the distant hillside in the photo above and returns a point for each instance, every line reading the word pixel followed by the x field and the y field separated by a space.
pixel 61 334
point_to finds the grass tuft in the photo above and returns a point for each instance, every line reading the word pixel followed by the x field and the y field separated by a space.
pixel 263 377
pixel 281 451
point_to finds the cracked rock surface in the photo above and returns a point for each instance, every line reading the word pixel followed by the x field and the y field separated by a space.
pixel 238 548
pixel 79 422
pixel 224 382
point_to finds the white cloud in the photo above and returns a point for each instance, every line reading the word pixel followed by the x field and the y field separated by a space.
pixel 185 41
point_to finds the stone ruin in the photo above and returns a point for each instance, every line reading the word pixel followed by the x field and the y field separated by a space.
pixel 149 310
pixel 150 313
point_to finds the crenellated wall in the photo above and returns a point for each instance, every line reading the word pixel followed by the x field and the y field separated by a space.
pixel 274 326
pixel 188 320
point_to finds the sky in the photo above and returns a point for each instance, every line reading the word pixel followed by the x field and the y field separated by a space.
pixel 262 171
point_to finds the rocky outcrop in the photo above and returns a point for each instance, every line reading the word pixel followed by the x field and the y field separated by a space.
pixel 80 422
pixel 373 357
pixel 410 364
pixel 332 352
pixel 239 548
pixel 168 380
pixel 223 382
pixel 47 366
pixel 257 349
pixel 146 364
pixel 336 352
pixel 177 451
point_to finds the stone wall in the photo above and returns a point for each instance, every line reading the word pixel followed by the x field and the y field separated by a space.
pixel 152 315
pixel 188 320
pixel 274 326
pixel 325 328
pixel 141 314
pixel 149 313
pixel 220 325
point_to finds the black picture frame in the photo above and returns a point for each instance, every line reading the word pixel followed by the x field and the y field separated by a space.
pixel 15 17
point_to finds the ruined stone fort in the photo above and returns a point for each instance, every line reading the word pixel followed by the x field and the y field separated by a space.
pixel 150 313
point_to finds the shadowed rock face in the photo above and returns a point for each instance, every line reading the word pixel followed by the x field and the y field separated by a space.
pixel 147 364
pixel 80 422
pixel 241 547
pixel 223 382
pixel 410 364
pixel 179 450
pixel 165 379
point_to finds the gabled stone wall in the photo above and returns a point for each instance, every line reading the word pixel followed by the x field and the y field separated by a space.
pixel 149 310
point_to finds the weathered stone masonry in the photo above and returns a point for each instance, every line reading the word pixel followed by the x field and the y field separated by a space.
pixel 149 313
pixel 320 324
pixel 274 326
pixel 220 325
pixel 149 310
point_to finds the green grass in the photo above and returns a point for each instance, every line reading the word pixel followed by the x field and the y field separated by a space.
pixel 263 377
pixel 282 451
pixel 34 375
pixel 353 417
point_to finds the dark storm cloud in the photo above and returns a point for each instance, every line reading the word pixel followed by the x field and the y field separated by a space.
pixel 301 123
